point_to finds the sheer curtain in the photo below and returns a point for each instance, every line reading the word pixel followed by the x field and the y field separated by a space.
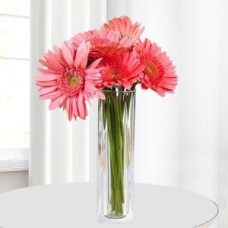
pixel 181 140
pixel 59 150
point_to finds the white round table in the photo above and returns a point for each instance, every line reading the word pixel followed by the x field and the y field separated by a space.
pixel 74 205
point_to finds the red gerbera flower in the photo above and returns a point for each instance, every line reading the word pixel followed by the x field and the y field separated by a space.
pixel 159 72
pixel 120 69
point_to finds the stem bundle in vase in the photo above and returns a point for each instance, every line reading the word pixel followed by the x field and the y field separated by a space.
pixel 117 127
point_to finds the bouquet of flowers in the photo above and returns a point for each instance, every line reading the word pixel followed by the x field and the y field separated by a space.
pixel 107 64
pixel 112 58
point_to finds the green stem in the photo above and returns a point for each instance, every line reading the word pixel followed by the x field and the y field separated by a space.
pixel 115 131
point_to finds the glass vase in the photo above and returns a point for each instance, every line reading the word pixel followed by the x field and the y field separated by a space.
pixel 116 131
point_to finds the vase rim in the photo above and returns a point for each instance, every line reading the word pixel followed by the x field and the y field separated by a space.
pixel 117 91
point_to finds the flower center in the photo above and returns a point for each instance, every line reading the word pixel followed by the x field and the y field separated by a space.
pixel 74 80
pixel 152 70
pixel 114 74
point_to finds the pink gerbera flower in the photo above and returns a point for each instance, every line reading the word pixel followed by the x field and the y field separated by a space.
pixel 96 38
pixel 159 73
pixel 120 69
pixel 126 29
pixel 102 41
pixel 68 81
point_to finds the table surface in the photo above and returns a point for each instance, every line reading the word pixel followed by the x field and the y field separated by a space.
pixel 74 205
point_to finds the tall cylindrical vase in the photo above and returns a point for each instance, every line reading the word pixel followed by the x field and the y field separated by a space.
pixel 116 131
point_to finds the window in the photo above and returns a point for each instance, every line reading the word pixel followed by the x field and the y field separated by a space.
pixel 14 82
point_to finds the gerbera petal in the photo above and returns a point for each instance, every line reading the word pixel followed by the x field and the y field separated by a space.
pixel 46 83
pixel 94 71
pixel 100 95
pixel 57 102
pixel 69 108
pixel 46 90
pixel 82 55
pixel 126 42
pixel 47 77
pixel 51 63
pixel 52 95
pixel 67 54
pixel 92 76
pixel 45 71
pixel 75 109
pixel 160 92
pixel 89 86
pixel 94 64
pixel 81 106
